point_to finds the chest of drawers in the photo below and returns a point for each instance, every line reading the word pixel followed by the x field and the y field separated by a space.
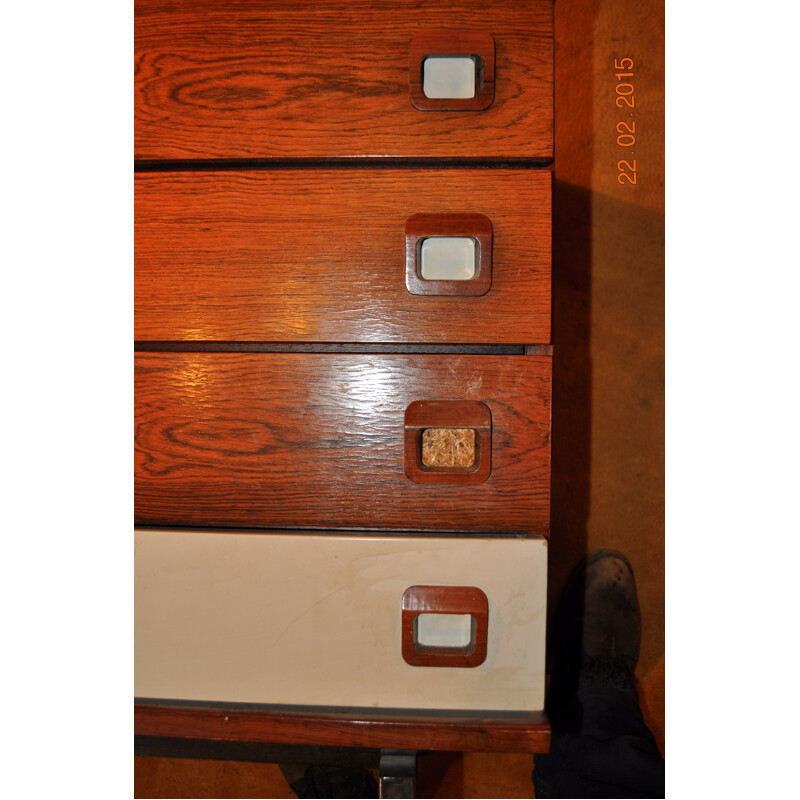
pixel 343 371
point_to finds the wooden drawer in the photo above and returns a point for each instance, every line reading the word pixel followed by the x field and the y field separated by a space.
pixel 320 441
pixel 317 80
pixel 318 620
pixel 307 255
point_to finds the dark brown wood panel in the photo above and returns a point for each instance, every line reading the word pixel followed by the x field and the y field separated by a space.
pixel 316 441
pixel 311 79
pixel 510 733
pixel 306 255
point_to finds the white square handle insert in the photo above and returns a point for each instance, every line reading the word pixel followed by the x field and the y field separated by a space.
pixel 451 77
pixel 444 630
pixel 448 258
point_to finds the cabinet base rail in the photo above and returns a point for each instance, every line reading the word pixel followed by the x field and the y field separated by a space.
pixel 401 729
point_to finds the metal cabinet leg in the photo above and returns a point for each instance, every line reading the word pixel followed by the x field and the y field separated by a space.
pixel 398 772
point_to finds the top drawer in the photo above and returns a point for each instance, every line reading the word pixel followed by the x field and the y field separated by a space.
pixel 311 79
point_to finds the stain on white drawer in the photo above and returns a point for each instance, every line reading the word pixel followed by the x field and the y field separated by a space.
pixel 316 619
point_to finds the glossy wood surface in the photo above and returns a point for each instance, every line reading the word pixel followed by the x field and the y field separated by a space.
pixel 514 733
pixel 445 600
pixel 311 79
pixel 316 441
pixel 478 226
pixel 320 255
pixel 422 415
pixel 480 46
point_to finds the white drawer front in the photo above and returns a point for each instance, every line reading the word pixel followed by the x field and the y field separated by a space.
pixel 316 619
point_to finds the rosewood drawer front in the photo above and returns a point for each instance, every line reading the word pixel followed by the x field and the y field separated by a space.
pixel 317 80
pixel 320 621
pixel 307 255
pixel 395 442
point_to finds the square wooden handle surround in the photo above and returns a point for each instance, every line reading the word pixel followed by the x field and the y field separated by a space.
pixel 445 600
pixel 423 226
pixel 448 414
pixel 477 45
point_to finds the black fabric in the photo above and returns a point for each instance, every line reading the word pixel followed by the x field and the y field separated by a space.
pixel 601 747
pixel 332 782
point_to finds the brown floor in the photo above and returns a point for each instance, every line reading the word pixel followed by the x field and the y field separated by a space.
pixel 608 403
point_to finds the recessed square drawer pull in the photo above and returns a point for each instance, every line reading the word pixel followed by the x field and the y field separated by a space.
pixel 444 626
pixel 448 441
pixel 451 70
pixel 449 254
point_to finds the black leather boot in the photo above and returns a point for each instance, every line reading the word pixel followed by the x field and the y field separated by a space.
pixel 596 629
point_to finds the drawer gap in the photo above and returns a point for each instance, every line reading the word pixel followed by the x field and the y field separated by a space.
pixel 365 162
pixel 352 348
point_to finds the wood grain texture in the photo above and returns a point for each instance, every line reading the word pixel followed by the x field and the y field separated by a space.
pixel 310 79
pixel 316 441
pixel 306 255
pixel 480 46
pixel 510 733
pixel 421 226
pixel 445 600
pixel 426 414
